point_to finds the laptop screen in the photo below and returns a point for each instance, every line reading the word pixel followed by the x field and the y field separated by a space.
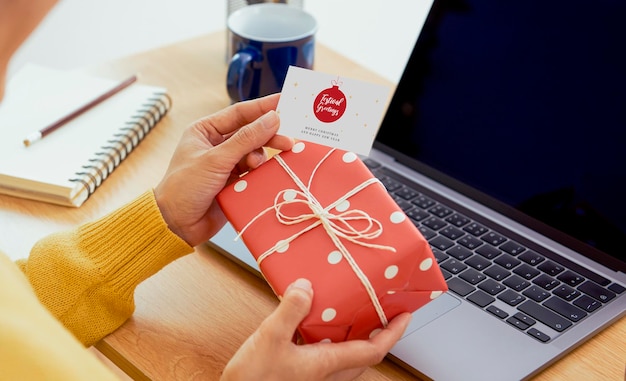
pixel 523 105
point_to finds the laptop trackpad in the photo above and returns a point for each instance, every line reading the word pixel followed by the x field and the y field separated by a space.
pixel 431 311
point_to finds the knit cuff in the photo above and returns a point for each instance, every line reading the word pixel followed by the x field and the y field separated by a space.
pixel 139 243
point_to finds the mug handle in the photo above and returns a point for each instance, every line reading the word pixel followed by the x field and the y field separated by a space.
pixel 240 77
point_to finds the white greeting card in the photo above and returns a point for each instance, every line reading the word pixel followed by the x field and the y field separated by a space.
pixel 331 110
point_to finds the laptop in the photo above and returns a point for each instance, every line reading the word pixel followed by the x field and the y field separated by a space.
pixel 505 143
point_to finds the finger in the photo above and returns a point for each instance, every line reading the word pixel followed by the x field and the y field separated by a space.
pixel 280 142
pixel 256 158
pixel 260 156
pixel 364 353
pixel 293 308
pixel 248 139
pixel 225 122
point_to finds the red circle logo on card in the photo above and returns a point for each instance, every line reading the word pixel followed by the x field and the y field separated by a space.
pixel 330 104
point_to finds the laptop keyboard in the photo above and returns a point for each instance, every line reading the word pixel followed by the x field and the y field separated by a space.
pixel 535 291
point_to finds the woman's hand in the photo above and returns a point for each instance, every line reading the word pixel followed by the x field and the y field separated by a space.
pixel 270 354
pixel 211 153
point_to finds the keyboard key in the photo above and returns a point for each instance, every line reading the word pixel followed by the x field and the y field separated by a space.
pixel 588 304
pixel 544 315
pixel 481 299
pixel 426 232
pixel 546 282
pixel 498 312
pixel 472 276
pixel 440 256
pixel 597 292
pixel 389 183
pixel 571 278
pixel 566 292
pixel 507 261
pixel 441 242
pixel 512 248
pixel 478 262
pixel 516 283
pixel 491 286
pixel 517 323
pixel 565 309
pixel 493 238
pixel 475 229
pixel 488 251
pixel 511 297
pixel 531 257
pixel 423 202
pixel 526 319
pixel 440 211
pixel 453 266
pixel 460 286
pixel 452 232
pixel 406 193
pixel 551 268
pixel 537 334
pixel 536 293
pixel 458 220
pixel 616 288
pixel 417 214
pixel 497 272
pixel 434 223
pixel 402 203
pixel 459 252
pixel 470 242
pixel 526 271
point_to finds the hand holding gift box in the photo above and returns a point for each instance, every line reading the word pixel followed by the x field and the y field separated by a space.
pixel 318 213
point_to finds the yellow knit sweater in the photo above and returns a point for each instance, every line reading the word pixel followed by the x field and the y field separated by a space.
pixel 79 282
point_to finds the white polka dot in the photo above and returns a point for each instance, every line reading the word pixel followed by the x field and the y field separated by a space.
pixel 289 195
pixel 282 246
pixel 435 294
pixel 397 217
pixel 426 264
pixel 298 147
pixel 329 314
pixel 391 272
pixel 326 340
pixel 240 185
pixel 375 332
pixel 349 157
pixel 391 292
pixel 334 257
pixel 343 206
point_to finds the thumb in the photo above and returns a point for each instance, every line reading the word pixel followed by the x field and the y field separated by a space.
pixel 295 305
pixel 250 137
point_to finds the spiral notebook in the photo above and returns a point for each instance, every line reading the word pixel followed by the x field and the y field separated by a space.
pixel 67 166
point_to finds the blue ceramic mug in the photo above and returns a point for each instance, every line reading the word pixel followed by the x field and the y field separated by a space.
pixel 265 39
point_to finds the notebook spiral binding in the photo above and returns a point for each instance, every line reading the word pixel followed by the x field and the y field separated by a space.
pixel 123 142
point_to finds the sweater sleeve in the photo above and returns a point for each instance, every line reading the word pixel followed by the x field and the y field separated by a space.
pixel 33 344
pixel 87 277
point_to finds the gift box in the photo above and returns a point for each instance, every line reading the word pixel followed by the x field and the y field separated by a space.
pixel 318 213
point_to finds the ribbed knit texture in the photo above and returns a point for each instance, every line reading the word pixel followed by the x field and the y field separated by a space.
pixel 87 277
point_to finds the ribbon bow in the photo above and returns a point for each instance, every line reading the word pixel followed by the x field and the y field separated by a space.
pixel 337 225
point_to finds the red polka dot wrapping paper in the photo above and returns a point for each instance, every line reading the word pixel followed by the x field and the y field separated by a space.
pixel 400 268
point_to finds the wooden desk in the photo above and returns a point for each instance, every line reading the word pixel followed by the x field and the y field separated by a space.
pixel 194 314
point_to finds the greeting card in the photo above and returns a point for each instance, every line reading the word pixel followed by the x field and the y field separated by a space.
pixel 331 110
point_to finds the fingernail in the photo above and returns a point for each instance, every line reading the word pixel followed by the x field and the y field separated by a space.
pixel 269 120
pixel 303 284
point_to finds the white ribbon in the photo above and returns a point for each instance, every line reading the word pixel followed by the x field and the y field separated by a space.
pixel 336 225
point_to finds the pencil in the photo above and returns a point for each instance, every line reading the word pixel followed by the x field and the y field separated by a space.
pixel 38 135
